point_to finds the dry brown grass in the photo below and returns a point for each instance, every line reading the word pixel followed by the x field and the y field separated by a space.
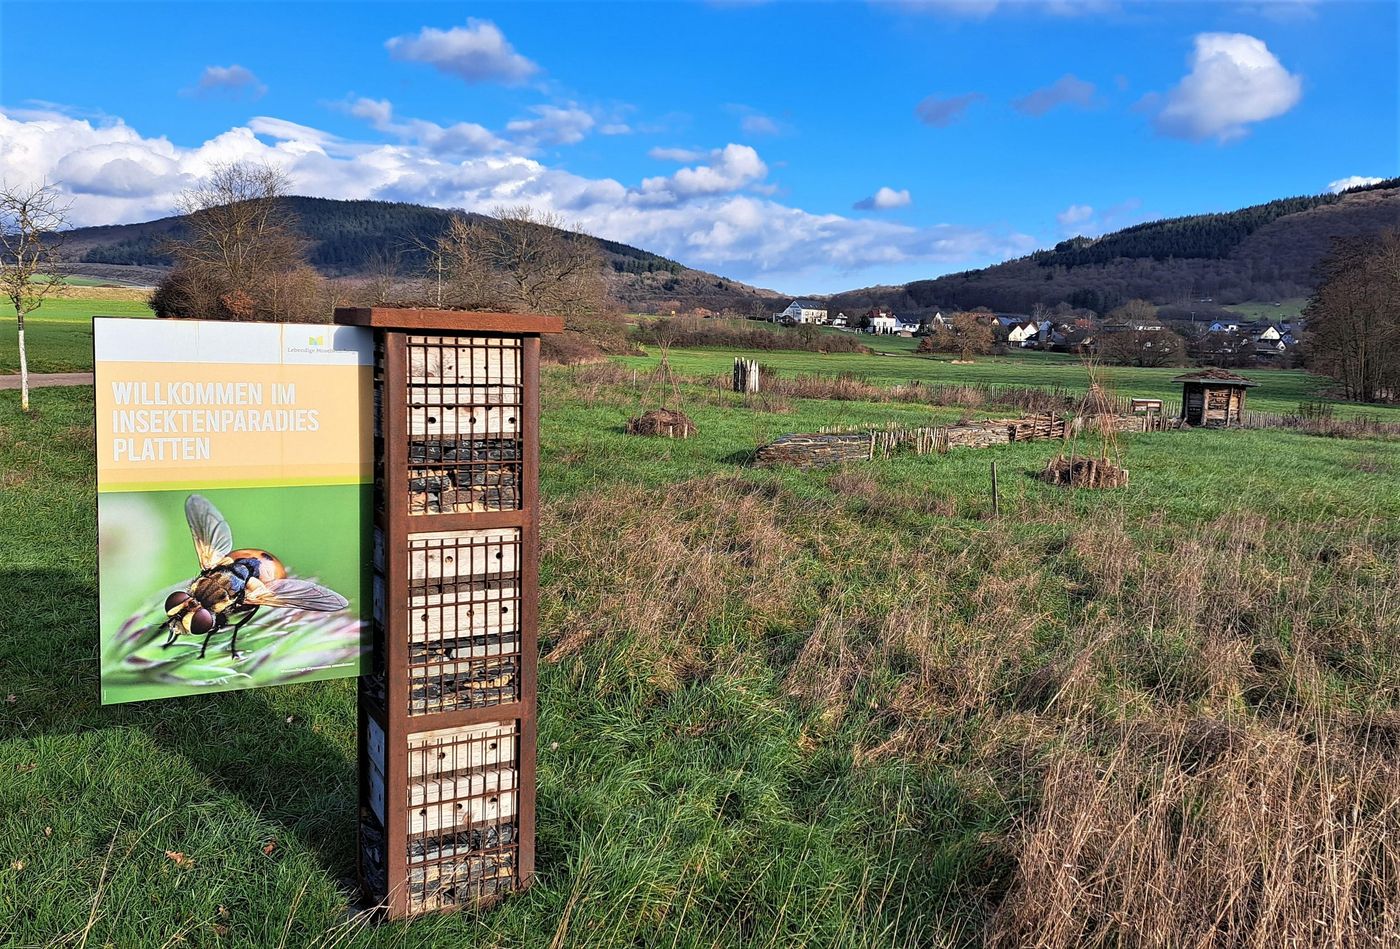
pixel 659 569
pixel 130 294
pixel 849 387
pixel 1204 833
pixel 1193 724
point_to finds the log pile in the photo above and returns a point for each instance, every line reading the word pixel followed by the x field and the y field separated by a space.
pixel 814 451
pixel 1084 473
pixel 666 423
pixel 838 445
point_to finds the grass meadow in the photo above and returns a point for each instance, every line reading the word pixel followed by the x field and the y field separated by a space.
pixel 58 335
pixel 845 707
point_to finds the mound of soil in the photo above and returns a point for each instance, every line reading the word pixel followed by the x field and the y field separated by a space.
pixel 667 423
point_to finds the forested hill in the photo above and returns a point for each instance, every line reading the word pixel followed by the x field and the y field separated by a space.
pixel 1264 252
pixel 344 236
pixel 347 238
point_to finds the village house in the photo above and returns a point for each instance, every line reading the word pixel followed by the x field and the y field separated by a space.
pixel 800 312
pixel 1018 330
pixel 881 322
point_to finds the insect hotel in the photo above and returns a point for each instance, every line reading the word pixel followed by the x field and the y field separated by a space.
pixel 1213 397
pixel 447 713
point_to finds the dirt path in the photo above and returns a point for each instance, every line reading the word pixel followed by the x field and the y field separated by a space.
pixel 39 380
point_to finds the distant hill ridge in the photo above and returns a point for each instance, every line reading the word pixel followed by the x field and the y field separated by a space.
pixel 1264 252
pixel 345 238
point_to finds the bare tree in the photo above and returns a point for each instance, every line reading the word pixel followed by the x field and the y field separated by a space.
pixel 32 218
pixel 241 256
pixel 1133 347
pixel 542 267
pixel 384 270
pixel 968 333
pixel 471 281
pixel 1353 330
pixel 434 267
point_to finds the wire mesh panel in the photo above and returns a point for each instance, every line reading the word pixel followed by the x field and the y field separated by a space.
pixel 463 843
pixel 465 407
pixel 464 619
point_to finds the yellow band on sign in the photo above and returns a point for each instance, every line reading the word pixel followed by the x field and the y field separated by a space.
pixel 166 425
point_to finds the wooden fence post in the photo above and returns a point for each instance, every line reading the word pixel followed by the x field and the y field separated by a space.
pixel 996 499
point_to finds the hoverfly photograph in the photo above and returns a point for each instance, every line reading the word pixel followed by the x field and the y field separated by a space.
pixel 234 584
pixel 205 615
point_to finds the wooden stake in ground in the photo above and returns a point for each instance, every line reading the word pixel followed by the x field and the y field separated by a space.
pixel 996 498
pixel 745 375
pixel 31 220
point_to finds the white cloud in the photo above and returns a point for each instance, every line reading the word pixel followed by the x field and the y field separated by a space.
pixel 378 112
pixel 1087 221
pixel 981 9
pixel 677 154
pixel 1234 81
pixel 731 168
pixel 1284 11
pixel 754 122
pixel 705 214
pixel 552 125
pixel 1351 181
pixel 942 112
pixel 1067 90
pixel 1072 217
pixel 234 80
pixel 758 124
pixel 884 200
pixel 459 139
pixel 477 52
pixel 615 128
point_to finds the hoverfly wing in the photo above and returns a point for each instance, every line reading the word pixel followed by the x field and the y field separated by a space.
pixel 294 594
pixel 212 538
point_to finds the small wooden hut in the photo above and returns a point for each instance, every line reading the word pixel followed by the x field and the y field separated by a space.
pixel 1212 397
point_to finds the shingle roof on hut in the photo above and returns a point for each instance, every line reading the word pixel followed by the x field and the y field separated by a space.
pixel 1219 377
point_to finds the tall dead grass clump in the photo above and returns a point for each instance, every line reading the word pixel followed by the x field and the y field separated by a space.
pixel 1205 833
pixel 651 571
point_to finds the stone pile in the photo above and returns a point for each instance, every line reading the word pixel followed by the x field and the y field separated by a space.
pixel 461 475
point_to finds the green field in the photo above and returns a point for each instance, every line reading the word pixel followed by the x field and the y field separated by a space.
pixel 58 335
pixel 782 708
pixel 1289 308
pixel 1279 390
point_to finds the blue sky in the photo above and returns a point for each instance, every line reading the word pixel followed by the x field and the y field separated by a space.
pixel 807 147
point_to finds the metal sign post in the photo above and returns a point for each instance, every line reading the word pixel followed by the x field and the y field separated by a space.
pixel 447 713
